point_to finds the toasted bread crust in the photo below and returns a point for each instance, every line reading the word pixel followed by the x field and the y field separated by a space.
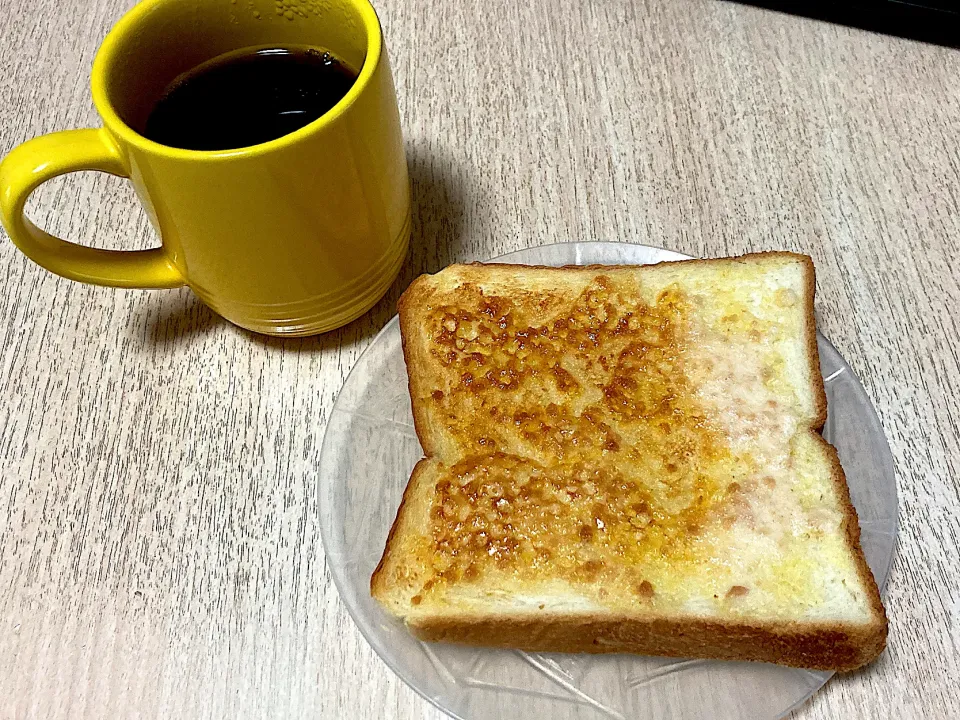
pixel 403 521
pixel 416 294
pixel 826 646
pixel 816 647
pixel 813 351
pixel 877 629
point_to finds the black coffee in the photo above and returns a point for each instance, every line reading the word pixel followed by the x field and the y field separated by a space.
pixel 248 97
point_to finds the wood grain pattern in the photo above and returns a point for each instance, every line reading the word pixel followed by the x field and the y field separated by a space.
pixel 159 550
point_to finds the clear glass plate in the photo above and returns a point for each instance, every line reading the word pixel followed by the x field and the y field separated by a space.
pixel 369 449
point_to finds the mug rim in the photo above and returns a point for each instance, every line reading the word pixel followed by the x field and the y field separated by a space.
pixel 128 23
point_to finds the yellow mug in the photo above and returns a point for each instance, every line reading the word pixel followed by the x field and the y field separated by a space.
pixel 294 236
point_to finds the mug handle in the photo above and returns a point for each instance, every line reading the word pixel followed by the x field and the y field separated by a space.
pixel 38 160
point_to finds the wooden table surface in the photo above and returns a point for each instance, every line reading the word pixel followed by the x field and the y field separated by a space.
pixel 159 548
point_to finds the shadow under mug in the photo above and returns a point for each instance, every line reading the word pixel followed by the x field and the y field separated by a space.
pixel 294 236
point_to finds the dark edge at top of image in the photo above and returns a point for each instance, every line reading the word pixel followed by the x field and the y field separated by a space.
pixel 931 21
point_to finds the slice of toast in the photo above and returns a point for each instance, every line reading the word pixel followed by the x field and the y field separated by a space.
pixel 627 459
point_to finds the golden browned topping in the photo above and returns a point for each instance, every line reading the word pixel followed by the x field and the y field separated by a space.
pixel 581 448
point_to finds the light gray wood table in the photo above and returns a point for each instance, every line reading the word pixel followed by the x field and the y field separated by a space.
pixel 159 549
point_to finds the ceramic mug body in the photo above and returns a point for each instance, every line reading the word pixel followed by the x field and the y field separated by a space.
pixel 295 236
